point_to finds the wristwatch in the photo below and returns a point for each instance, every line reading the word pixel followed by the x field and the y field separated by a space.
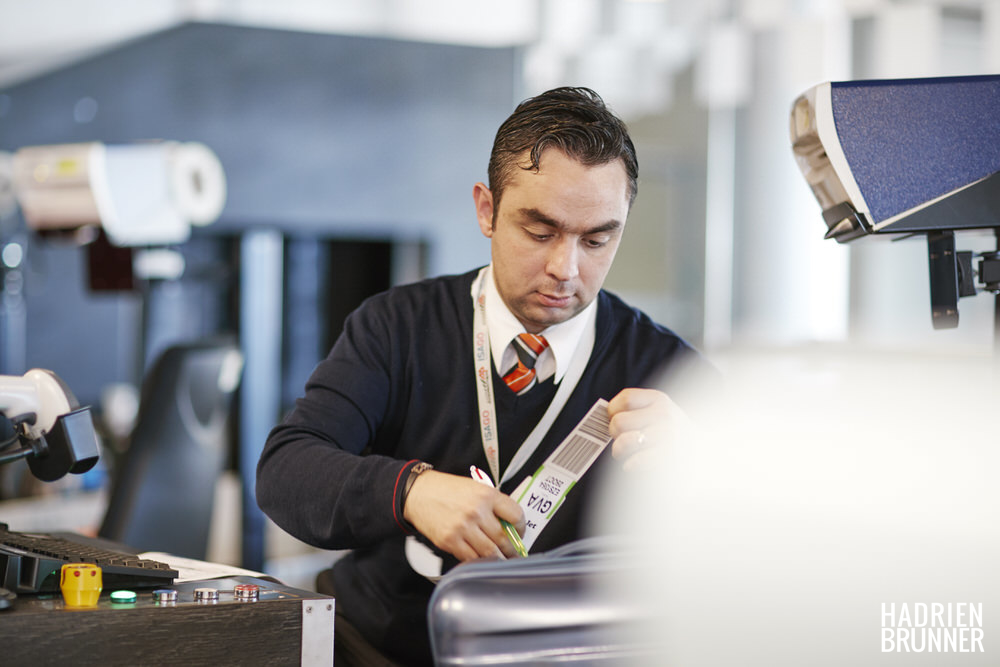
pixel 415 471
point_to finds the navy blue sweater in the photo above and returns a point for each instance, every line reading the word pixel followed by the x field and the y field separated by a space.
pixel 397 387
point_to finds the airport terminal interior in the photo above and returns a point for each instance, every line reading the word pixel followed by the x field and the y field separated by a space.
pixel 327 152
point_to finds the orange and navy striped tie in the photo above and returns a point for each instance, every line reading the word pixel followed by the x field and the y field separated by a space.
pixel 528 346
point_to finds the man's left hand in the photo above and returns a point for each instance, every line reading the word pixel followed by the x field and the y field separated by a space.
pixel 642 422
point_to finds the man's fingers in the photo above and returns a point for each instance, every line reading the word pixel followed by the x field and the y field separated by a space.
pixel 633 398
pixel 485 545
pixel 504 543
pixel 471 543
pixel 505 508
pixel 628 443
pixel 639 410
pixel 623 422
pixel 643 421
pixel 462 516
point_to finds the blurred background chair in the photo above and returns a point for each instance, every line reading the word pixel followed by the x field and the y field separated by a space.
pixel 163 486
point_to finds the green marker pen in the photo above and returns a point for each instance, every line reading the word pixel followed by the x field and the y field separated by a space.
pixel 508 527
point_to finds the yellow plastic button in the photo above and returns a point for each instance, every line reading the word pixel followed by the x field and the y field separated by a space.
pixel 81 584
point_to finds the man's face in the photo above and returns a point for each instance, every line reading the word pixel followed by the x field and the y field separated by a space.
pixel 554 236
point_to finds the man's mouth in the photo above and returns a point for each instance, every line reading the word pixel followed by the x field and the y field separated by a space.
pixel 554 300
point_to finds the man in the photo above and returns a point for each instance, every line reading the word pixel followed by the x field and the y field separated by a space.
pixel 426 380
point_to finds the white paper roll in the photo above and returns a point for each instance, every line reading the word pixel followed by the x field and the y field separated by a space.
pixel 198 183
pixel 144 194
pixel 134 197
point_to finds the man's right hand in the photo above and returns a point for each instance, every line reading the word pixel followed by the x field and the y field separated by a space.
pixel 462 516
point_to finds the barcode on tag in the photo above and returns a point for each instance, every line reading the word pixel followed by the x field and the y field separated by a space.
pixel 586 441
pixel 597 424
pixel 576 453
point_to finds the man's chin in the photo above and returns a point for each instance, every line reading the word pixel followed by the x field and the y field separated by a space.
pixel 540 318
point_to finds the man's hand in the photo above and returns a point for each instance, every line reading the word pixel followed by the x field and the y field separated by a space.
pixel 462 516
pixel 642 421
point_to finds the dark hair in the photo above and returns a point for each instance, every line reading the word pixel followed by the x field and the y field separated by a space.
pixel 574 120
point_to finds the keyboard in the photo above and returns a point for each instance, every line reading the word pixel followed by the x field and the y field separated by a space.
pixel 32 562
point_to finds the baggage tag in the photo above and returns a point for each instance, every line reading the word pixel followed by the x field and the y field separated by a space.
pixel 541 495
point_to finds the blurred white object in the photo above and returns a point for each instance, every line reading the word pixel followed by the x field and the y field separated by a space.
pixel 162 263
pixel 38 392
pixel 141 194
pixel 119 408
pixel 56 434
pixel 823 485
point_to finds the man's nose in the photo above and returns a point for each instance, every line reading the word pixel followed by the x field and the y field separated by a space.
pixel 563 260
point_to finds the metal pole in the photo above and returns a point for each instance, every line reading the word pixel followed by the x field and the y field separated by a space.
pixel 261 287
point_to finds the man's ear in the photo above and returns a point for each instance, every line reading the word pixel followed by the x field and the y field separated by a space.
pixel 483 198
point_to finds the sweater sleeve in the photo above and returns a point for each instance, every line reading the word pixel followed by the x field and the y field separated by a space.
pixel 312 479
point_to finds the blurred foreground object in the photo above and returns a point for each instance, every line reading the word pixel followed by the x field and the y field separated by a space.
pixel 824 485
pixel 907 156
pixel 555 607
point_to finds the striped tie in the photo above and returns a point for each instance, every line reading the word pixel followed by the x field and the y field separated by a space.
pixel 528 346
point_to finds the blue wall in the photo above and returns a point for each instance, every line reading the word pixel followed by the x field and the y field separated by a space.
pixel 322 136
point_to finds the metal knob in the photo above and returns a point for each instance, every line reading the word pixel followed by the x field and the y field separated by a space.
pixel 206 594
pixel 246 592
pixel 164 595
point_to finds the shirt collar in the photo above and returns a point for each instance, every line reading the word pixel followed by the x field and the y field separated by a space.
pixel 563 338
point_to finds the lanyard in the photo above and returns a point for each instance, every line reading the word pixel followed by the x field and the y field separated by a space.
pixel 484 388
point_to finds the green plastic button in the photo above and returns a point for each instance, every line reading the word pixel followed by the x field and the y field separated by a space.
pixel 123 597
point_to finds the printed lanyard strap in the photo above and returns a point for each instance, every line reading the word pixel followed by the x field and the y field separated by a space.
pixel 484 388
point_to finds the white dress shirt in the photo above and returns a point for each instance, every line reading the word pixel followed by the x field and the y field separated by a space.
pixel 563 338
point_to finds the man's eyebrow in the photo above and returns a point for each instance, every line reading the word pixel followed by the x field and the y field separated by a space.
pixel 535 215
